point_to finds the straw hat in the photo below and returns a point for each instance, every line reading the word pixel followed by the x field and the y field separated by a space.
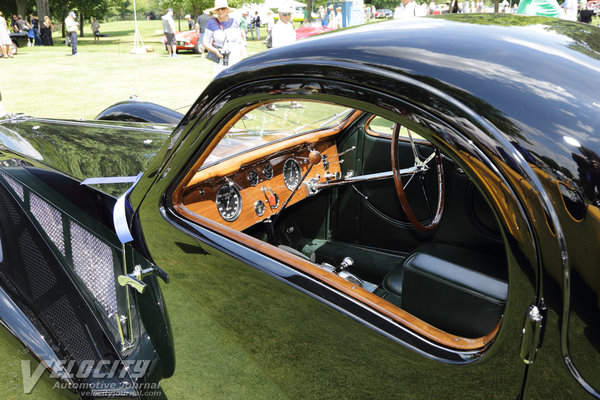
pixel 221 4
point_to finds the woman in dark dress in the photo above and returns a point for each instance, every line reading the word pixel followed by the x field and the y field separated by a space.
pixel 46 32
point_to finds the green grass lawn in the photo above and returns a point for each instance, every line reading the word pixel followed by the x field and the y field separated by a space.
pixel 48 82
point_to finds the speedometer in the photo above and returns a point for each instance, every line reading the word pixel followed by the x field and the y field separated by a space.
pixel 291 173
pixel 229 202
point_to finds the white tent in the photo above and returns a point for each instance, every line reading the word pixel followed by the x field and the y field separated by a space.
pixel 279 3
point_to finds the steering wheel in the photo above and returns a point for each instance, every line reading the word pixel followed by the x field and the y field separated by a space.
pixel 420 167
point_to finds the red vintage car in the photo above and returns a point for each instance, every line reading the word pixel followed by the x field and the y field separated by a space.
pixel 188 40
pixel 306 31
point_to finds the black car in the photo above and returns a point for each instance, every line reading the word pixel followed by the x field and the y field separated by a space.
pixel 417 217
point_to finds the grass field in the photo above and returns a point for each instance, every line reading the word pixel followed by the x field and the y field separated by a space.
pixel 49 82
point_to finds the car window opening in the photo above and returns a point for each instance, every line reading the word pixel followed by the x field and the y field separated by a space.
pixel 311 185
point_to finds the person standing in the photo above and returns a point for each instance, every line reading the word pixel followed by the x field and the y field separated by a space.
pixel 190 21
pixel 257 24
pixel 46 31
pixel 201 22
pixel 283 33
pixel 71 26
pixel 169 30
pixel 5 42
pixel 331 17
pixel 405 10
pixel 35 26
pixel 270 24
pixel 96 30
pixel 249 25
pixel 339 21
pixel 223 37
pixel 570 10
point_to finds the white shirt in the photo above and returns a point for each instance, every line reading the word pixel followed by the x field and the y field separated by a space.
pixel 405 11
pixel 570 7
pixel 283 34
pixel 70 24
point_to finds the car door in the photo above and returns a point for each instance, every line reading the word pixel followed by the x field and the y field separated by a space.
pixel 248 313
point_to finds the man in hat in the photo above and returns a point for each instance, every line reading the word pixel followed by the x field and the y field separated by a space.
pixel 190 21
pixel 283 31
pixel 169 30
pixel 71 26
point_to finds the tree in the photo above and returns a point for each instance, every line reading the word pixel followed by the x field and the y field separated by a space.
pixel 43 9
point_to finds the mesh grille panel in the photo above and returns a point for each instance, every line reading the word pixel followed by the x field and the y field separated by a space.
pixel 50 219
pixel 14 185
pixel 93 262
pixel 39 274
pixel 69 329
pixel 14 216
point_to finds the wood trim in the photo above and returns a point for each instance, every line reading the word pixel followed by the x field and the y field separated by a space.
pixel 377 303
pixel 200 198
pixel 196 176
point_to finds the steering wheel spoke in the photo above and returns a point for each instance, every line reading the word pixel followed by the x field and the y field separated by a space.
pixel 419 166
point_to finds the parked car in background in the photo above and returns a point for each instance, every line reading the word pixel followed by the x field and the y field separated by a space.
pixel 359 215
pixel 187 40
pixel 384 13
pixel 306 31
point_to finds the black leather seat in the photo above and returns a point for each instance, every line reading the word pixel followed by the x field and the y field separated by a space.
pixel 458 290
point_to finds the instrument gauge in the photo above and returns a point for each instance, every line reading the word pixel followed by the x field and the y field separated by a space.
pixel 259 208
pixel 253 178
pixel 229 202
pixel 268 171
pixel 291 173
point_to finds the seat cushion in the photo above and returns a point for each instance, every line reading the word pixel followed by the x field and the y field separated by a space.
pixel 448 290
pixel 392 282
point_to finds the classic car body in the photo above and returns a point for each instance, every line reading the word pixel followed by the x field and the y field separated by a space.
pixel 424 225
pixel 186 40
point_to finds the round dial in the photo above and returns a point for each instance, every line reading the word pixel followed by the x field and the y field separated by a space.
pixel 229 202
pixel 291 173
pixel 268 171
pixel 253 178
pixel 259 208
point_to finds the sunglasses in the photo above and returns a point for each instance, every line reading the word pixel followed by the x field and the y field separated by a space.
pixel 285 14
pixel 222 9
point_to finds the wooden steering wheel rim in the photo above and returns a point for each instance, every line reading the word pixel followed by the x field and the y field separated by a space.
pixel 400 189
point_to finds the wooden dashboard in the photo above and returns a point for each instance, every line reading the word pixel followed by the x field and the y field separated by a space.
pixel 233 195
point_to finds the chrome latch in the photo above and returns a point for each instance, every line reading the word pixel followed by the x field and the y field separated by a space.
pixel 135 279
pixel 532 333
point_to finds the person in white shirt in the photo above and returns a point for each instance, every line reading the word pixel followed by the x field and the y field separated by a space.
pixel 570 9
pixel 283 33
pixel 339 22
pixel 405 10
pixel 71 26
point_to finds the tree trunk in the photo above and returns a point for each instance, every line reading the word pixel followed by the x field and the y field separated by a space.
pixel 43 9
pixel 496 6
pixel 22 8
pixel 309 7
pixel 64 28
pixel 81 24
